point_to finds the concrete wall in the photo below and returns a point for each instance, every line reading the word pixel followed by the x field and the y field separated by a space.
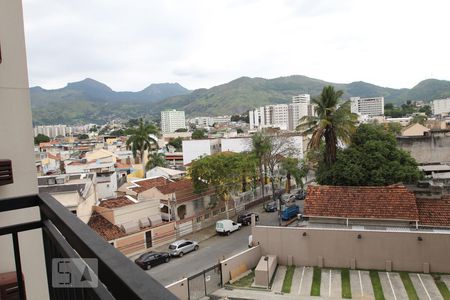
pixel 193 149
pixel 16 136
pixel 134 212
pixel 179 289
pixel 426 149
pixel 265 270
pixel 343 249
pixel 249 257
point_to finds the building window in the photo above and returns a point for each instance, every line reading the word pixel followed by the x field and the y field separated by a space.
pixel 222 209
pixel 207 216
pixel 199 219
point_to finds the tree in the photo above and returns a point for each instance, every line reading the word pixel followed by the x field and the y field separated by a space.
pixel 426 109
pixel 296 168
pixel 93 129
pixel 239 130
pixel 177 143
pixel 394 127
pixel 221 171
pixel 117 133
pixel 181 130
pixel 260 147
pixel 155 159
pixel 198 134
pixel 333 123
pixel 83 136
pixel 372 158
pixel 142 138
pixel 41 138
pixel 421 119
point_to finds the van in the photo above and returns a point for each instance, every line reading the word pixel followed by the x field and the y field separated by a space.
pixel 290 212
pixel 227 226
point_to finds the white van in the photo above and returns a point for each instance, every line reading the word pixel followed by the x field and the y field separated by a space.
pixel 227 226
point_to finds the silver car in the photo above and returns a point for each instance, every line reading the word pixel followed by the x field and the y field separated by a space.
pixel 181 247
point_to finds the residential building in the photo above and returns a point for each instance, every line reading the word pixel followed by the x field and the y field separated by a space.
pixel 302 98
pixel 372 106
pixel 171 120
pixel 165 172
pixel 221 119
pixel 415 129
pixel 440 106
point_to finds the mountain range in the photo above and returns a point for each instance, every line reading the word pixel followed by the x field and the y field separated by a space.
pixel 90 101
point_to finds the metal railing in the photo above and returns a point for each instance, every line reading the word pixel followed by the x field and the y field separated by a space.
pixel 65 236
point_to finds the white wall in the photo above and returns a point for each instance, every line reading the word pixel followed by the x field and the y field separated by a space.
pixel 16 134
pixel 193 149
pixel 237 144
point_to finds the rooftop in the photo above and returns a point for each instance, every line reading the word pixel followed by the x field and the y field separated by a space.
pixel 104 228
pixel 392 202
pixel 116 202
pixel 434 212
pixel 146 184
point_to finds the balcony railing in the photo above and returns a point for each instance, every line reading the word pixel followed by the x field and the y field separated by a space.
pixel 65 236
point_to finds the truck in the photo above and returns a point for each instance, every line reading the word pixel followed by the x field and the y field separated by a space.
pixel 227 226
pixel 289 212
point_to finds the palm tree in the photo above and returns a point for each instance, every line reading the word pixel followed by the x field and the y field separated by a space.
pixel 261 146
pixel 332 122
pixel 155 159
pixel 142 138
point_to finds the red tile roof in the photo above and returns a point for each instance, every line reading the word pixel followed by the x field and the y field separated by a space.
pixel 147 184
pixel 183 189
pixel 104 228
pixel 116 202
pixel 434 212
pixel 393 202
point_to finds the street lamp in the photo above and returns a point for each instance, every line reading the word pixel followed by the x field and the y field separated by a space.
pixel 267 264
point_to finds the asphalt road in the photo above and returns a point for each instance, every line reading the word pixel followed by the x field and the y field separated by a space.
pixel 211 250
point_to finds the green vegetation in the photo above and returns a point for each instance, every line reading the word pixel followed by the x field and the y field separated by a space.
pixel 83 136
pixel 177 143
pixel 315 287
pixel 93 102
pixel 199 134
pixel 409 287
pixel 345 281
pixel 333 123
pixel 140 139
pixel 376 284
pixel 442 287
pixel 372 158
pixel 41 138
pixel 245 281
pixel 181 130
pixel 296 168
pixel 155 159
pixel 288 279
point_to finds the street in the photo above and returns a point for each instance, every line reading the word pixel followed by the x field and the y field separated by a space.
pixel 211 250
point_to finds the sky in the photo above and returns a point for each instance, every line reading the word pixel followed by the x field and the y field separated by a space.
pixel 130 44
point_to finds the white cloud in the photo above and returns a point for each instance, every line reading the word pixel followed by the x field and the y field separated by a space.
pixel 130 44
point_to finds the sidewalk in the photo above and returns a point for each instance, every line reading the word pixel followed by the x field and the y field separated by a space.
pixel 260 295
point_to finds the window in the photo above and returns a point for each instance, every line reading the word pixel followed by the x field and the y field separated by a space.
pixel 199 219
pixel 206 216
pixel 222 209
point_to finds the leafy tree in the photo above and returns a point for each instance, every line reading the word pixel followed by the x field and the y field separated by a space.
pixel 221 171
pixel 426 109
pixel 181 130
pixel 239 130
pixel 155 159
pixel 177 143
pixel 142 139
pixel 248 164
pixel 333 123
pixel 199 134
pixel 421 119
pixel 93 129
pixel 132 123
pixel 41 138
pixel 117 133
pixel 296 168
pixel 394 127
pixel 83 136
pixel 372 158
pixel 260 148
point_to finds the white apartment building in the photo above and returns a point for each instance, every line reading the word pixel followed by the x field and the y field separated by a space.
pixel 193 149
pixel 172 120
pixel 284 116
pixel 440 106
pixel 372 106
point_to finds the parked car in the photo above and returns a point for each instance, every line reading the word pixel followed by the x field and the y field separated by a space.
pixel 289 212
pixel 181 247
pixel 246 218
pixel 227 226
pixel 151 259
pixel 270 206
pixel 300 195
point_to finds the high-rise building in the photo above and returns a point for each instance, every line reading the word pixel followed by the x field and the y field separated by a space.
pixel 372 106
pixel 302 98
pixel 440 106
pixel 172 120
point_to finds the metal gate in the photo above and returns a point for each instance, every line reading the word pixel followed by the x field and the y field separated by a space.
pixel 205 282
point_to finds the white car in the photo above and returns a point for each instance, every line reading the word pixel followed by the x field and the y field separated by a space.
pixel 227 226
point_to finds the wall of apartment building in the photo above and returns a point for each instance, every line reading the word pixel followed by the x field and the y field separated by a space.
pixel 434 147
pixel 16 135
pixel 134 212
pixel 402 251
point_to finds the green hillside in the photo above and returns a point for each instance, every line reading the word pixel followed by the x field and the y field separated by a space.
pixel 92 101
